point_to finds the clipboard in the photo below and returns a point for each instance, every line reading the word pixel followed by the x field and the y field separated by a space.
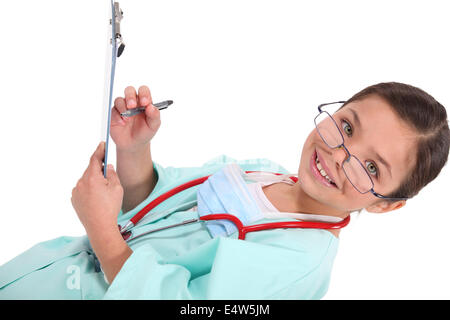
pixel 114 49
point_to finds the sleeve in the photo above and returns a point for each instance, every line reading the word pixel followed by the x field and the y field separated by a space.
pixel 232 269
pixel 145 275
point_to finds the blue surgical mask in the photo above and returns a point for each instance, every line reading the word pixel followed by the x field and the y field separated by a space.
pixel 226 192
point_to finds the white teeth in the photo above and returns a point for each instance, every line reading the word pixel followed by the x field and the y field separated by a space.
pixel 322 171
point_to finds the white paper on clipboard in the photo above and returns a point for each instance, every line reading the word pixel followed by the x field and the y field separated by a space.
pixel 113 37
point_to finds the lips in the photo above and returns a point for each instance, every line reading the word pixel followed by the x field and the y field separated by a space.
pixel 316 172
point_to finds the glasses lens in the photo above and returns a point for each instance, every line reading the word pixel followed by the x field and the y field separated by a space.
pixel 357 175
pixel 328 130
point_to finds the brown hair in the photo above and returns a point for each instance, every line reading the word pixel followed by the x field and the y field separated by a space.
pixel 429 119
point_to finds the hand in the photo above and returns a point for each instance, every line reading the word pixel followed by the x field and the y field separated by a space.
pixel 97 200
pixel 132 133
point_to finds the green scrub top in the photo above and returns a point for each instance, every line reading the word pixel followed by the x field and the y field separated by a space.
pixel 182 262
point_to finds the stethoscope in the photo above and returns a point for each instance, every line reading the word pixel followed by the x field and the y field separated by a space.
pixel 243 230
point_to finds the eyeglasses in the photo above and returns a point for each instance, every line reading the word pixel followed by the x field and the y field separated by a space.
pixel 354 170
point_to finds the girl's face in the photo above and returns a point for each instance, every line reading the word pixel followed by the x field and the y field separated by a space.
pixel 379 139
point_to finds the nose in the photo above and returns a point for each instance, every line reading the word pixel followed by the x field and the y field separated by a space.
pixel 339 155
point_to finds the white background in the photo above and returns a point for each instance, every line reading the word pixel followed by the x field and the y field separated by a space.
pixel 245 77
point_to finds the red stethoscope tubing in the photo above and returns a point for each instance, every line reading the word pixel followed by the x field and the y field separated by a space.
pixel 136 218
pixel 243 230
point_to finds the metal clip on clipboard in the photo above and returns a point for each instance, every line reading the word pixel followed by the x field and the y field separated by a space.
pixel 118 16
pixel 115 48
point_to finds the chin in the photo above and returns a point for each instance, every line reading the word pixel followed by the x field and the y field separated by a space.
pixel 315 189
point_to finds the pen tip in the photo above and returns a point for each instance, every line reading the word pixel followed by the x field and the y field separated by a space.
pixel 169 102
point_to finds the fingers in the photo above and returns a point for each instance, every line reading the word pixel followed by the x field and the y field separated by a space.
pixel 131 100
pixel 142 100
pixel 120 104
pixel 111 175
pixel 116 118
pixel 130 97
pixel 96 161
pixel 153 117
pixel 145 97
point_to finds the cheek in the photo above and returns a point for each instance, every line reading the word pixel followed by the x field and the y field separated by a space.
pixel 346 199
pixel 308 147
pixel 352 200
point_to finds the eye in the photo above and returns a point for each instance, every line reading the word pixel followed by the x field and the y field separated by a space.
pixel 372 168
pixel 347 128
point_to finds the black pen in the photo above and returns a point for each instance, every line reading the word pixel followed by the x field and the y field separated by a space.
pixel 160 105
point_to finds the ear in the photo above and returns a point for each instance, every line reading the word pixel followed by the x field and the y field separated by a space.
pixel 385 206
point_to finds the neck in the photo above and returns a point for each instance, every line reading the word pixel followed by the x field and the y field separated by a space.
pixel 305 204
pixel 288 198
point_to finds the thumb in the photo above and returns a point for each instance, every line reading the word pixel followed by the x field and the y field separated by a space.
pixel 151 115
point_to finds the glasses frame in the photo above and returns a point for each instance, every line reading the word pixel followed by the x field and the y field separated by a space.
pixel 349 155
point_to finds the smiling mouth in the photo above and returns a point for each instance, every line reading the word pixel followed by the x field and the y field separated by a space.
pixel 320 172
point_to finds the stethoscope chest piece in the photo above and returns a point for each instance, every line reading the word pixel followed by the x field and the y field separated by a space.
pixel 125 235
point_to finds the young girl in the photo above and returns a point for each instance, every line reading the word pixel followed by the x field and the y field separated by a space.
pixel 380 148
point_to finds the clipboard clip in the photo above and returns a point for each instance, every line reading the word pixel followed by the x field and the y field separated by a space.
pixel 118 15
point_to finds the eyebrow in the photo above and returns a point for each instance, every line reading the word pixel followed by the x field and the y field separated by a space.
pixel 355 118
pixel 377 155
pixel 384 162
